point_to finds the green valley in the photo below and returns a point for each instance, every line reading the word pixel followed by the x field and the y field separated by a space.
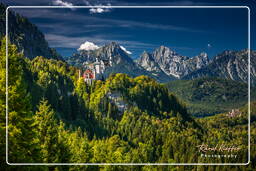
pixel 209 95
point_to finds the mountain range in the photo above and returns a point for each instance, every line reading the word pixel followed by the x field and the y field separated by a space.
pixel 163 64
pixel 166 65
pixel 120 61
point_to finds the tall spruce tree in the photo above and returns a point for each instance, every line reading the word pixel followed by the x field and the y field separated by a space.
pixel 46 128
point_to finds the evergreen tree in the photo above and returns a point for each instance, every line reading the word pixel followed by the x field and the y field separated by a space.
pixel 47 133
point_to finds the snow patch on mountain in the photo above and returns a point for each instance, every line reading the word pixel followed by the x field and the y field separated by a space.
pixel 124 49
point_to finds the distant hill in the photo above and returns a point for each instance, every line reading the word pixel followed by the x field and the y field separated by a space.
pixel 207 96
pixel 25 35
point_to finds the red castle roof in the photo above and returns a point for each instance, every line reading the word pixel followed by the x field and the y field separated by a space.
pixel 88 74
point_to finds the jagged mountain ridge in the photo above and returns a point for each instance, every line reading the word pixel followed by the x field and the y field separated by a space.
pixel 25 35
pixel 172 64
pixel 147 62
pixel 231 65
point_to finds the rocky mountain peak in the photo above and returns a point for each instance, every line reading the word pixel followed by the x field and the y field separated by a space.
pixel 203 55
pixel 112 47
pixel 171 63
pixel 146 56
pixel 147 62
pixel 164 51
pixel 223 54
pixel 201 60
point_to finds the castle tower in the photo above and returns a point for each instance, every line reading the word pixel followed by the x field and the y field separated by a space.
pixel 110 61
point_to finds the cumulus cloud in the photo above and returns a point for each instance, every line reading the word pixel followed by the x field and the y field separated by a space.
pixel 88 46
pixel 124 49
pixel 62 3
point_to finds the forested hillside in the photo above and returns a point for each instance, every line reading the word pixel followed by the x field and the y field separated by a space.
pixel 25 35
pixel 55 117
pixel 210 95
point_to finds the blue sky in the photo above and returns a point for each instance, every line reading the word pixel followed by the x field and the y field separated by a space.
pixel 187 31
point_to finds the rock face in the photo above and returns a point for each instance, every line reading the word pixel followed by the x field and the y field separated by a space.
pixel 116 98
pixel 172 64
pixel 114 53
pixel 147 61
pixel 26 36
pixel 229 65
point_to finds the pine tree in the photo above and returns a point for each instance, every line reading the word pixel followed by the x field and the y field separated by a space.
pixel 47 132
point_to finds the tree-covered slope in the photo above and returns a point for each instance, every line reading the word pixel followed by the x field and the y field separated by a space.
pixel 206 96
pixel 25 35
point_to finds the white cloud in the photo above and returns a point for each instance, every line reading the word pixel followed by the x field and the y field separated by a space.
pixel 99 10
pixel 209 45
pixel 123 48
pixel 62 3
pixel 88 46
